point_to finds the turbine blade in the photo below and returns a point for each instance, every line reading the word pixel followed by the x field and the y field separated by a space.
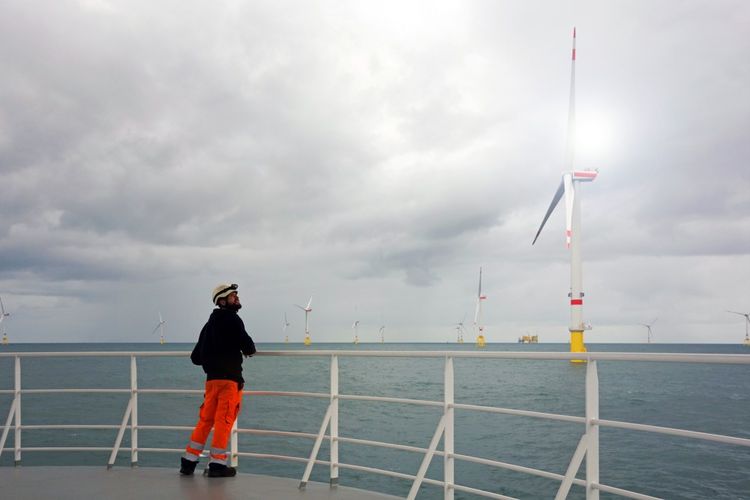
pixel 309 302
pixel 570 195
pixel 571 138
pixel 552 205
pixel 735 312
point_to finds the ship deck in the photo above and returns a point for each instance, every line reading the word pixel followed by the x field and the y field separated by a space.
pixel 125 483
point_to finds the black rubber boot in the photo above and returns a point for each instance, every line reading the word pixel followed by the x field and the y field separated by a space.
pixel 187 467
pixel 221 470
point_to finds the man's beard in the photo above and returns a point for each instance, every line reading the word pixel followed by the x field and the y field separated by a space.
pixel 233 307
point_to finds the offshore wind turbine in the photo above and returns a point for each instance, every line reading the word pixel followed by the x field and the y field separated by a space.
pixel 160 327
pixel 478 314
pixel 355 327
pixel 460 331
pixel 2 317
pixel 307 310
pixel 747 326
pixel 648 326
pixel 286 325
pixel 570 187
pixel 382 334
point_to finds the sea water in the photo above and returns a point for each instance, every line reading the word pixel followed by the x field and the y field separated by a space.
pixel 703 397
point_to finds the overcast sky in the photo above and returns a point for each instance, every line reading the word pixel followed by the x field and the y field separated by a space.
pixel 373 155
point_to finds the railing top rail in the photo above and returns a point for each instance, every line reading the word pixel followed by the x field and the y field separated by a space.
pixel 588 356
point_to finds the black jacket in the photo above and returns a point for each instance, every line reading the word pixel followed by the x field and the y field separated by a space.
pixel 222 342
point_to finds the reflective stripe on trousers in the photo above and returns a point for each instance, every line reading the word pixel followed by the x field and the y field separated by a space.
pixel 193 451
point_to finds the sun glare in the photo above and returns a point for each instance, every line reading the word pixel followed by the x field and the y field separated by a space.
pixel 594 136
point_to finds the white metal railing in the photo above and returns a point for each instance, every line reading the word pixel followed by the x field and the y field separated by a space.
pixel 588 446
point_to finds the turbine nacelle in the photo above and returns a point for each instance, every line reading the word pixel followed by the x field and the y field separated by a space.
pixel 307 308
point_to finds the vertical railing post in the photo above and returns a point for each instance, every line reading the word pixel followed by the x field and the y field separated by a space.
pixel 17 418
pixel 448 412
pixel 334 425
pixel 234 445
pixel 134 414
pixel 592 431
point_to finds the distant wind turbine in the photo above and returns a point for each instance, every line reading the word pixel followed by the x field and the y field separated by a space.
pixel 460 331
pixel 160 327
pixel 307 310
pixel 286 325
pixel 382 334
pixel 355 326
pixel 747 326
pixel 648 326
pixel 2 317
pixel 570 187
pixel 478 314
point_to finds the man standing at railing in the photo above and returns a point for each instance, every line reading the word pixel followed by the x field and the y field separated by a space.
pixel 222 342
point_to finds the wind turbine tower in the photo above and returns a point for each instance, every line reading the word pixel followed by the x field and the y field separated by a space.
pixel 286 325
pixel 307 310
pixel 746 343
pixel 460 331
pixel 160 327
pixel 648 326
pixel 355 326
pixel 2 317
pixel 570 187
pixel 478 314
pixel 382 334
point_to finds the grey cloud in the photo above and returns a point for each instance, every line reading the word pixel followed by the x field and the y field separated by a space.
pixel 147 144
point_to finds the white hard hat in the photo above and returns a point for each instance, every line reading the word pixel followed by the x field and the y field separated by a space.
pixel 223 290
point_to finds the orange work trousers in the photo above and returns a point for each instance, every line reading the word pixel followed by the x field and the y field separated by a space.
pixel 221 405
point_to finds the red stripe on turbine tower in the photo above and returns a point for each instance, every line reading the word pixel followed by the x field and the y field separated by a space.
pixel 574 43
pixel 576 302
